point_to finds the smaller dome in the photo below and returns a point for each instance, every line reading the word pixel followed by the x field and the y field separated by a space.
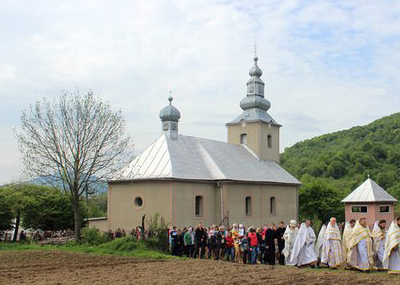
pixel 170 113
pixel 255 70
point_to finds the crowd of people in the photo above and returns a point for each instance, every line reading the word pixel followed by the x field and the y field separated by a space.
pixel 236 244
pixel 34 235
pixel 351 244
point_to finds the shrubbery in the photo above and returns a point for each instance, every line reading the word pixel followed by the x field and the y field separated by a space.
pixel 158 233
pixel 122 244
pixel 93 236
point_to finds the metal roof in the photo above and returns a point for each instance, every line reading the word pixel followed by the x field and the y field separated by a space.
pixel 253 115
pixel 369 191
pixel 193 158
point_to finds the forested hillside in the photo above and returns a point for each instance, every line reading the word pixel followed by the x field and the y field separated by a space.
pixel 342 160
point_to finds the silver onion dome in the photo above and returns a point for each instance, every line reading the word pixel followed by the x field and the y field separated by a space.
pixel 170 113
pixel 255 70
pixel 255 102
pixel 255 91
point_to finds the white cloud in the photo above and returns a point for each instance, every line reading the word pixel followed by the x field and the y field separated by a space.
pixel 327 65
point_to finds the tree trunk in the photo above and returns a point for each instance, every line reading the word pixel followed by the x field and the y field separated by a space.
pixel 77 219
pixel 17 221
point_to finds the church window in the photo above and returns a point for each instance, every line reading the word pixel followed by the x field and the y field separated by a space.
pixel 199 206
pixel 165 126
pixel 272 206
pixel 384 209
pixel 243 139
pixel 174 126
pixel 138 202
pixel 269 141
pixel 359 209
pixel 248 205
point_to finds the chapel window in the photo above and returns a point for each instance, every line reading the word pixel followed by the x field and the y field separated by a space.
pixel 384 209
pixel 272 206
pixel 269 141
pixel 243 139
pixel 359 209
pixel 248 205
pixel 138 202
pixel 199 206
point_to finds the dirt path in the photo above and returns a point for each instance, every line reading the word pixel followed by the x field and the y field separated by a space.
pixel 54 267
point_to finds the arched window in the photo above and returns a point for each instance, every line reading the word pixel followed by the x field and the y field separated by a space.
pixel 198 206
pixel 248 205
pixel 269 141
pixel 272 206
pixel 243 139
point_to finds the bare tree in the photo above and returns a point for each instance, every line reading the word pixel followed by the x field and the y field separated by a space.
pixel 74 141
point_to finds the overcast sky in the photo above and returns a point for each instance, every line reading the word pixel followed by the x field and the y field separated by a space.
pixel 328 65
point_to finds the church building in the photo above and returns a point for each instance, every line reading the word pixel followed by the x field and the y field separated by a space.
pixel 188 179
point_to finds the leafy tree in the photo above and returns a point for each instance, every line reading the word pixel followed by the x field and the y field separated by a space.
pixel 15 195
pixel 75 141
pixel 97 206
pixel 51 210
pixel 39 207
pixel 320 200
pixel 6 214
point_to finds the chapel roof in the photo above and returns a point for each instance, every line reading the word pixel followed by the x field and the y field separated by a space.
pixel 369 191
pixel 193 158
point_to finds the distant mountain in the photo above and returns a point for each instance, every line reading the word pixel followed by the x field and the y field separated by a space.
pixel 98 187
pixel 347 157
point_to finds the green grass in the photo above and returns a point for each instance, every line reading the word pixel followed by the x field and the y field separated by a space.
pixel 120 247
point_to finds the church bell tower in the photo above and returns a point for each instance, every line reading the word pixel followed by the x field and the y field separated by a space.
pixel 255 128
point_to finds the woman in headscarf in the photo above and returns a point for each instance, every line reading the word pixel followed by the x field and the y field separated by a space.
pixel 188 239
pixel 332 249
pixel 237 243
pixel 379 238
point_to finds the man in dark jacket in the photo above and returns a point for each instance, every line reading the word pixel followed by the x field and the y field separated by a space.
pixel 200 238
pixel 270 235
pixel 179 242
pixel 174 243
pixel 281 242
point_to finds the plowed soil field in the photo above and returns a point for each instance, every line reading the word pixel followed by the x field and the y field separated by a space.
pixel 56 267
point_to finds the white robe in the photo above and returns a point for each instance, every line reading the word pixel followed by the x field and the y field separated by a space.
pixel 362 257
pixel 379 238
pixel 332 248
pixel 320 241
pixel 394 260
pixel 391 259
pixel 289 236
pixel 303 249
